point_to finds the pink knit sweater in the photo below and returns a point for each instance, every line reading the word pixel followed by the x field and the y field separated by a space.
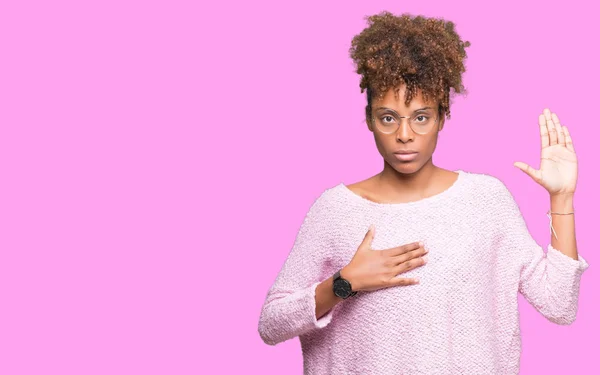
pixel 463 316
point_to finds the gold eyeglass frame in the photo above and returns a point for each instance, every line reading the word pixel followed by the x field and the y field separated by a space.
pixel 374 120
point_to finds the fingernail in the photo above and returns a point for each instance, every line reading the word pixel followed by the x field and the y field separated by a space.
pixel 426 258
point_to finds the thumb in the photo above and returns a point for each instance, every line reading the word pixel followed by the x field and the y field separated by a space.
pixel 366 243
pixel 531 172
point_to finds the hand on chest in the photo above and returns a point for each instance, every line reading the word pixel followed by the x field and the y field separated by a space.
pixel 458 249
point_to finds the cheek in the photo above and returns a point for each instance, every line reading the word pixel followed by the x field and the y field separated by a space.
pixel 381 146
pixel 432 142
pixel 429 147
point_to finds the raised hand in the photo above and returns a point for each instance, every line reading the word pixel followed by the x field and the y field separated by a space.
pixel 558 167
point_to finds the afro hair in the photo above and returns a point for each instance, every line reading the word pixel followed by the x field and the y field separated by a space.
pixel 424 53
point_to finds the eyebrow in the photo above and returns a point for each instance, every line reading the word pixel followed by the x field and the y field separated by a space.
pixel 416 110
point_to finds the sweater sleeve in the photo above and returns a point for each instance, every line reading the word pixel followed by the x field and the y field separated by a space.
pixel 548 281
pixel 289 307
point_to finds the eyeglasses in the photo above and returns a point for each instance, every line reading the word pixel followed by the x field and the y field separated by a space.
pixel 420 122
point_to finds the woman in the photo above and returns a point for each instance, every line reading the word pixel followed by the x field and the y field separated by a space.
pixel 433 290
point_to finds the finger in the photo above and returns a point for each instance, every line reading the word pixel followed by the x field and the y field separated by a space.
pixel 421 251
pixel 544 131
pixel 530 171
pixel 394 251
pixel 568 140
pixel 368 240
pixel 409 265
pixel 401 281
pixel 551 128
pixel 559 129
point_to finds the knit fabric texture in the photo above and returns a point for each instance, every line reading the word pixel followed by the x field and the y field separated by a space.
pixel 462 318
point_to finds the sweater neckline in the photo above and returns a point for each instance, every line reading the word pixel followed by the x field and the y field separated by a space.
pixel 434 198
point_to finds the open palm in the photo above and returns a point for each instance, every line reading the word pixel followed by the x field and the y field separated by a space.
pixel 558 167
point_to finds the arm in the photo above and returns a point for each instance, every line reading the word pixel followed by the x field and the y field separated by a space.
pixel 300 293
pixel 564 225
pixel 325 298
pixel 549 281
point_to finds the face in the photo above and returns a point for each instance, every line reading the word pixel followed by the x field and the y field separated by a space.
pixel 404 138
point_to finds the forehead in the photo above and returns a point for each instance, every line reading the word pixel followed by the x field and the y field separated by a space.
pixel 397 101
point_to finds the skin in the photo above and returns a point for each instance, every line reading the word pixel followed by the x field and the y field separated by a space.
pixel 399 182
pixel 405 181
pixel 558 175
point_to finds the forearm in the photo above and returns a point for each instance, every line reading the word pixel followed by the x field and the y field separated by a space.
pixel 288 313
pixel 325 299
pixel 564 225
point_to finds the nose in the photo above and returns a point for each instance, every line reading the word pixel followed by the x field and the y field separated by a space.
pixel 404 132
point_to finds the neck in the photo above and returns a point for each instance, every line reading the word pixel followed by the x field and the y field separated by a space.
pixel 394 183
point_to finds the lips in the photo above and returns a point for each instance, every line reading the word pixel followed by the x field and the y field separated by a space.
pixel 404 156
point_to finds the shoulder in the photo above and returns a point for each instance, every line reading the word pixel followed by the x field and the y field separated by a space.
pixel 490 194
pixel 488 185
pixel 326 201
pixel 496 198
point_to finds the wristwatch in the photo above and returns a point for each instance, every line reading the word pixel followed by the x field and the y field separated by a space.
pixel 342 287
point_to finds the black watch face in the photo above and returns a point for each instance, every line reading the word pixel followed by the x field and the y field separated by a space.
pixel 342 288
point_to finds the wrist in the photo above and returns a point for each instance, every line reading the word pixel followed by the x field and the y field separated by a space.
pixel 561 202
pixel 348 274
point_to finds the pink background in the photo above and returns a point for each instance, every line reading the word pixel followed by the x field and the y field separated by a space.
pixel 158 158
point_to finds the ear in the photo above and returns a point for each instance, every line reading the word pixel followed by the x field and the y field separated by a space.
pixel 369 124
pixel 368 119
pixel 441 123
pixel 368 108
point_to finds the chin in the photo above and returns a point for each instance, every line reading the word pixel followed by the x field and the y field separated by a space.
pixel 406 167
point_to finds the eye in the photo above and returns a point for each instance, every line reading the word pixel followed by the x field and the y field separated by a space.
pixel 387 116
pixel 425 117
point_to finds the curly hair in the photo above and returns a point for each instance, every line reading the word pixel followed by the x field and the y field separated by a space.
pixel 424 53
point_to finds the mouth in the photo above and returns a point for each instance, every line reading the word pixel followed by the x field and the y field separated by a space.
pixel 405 156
